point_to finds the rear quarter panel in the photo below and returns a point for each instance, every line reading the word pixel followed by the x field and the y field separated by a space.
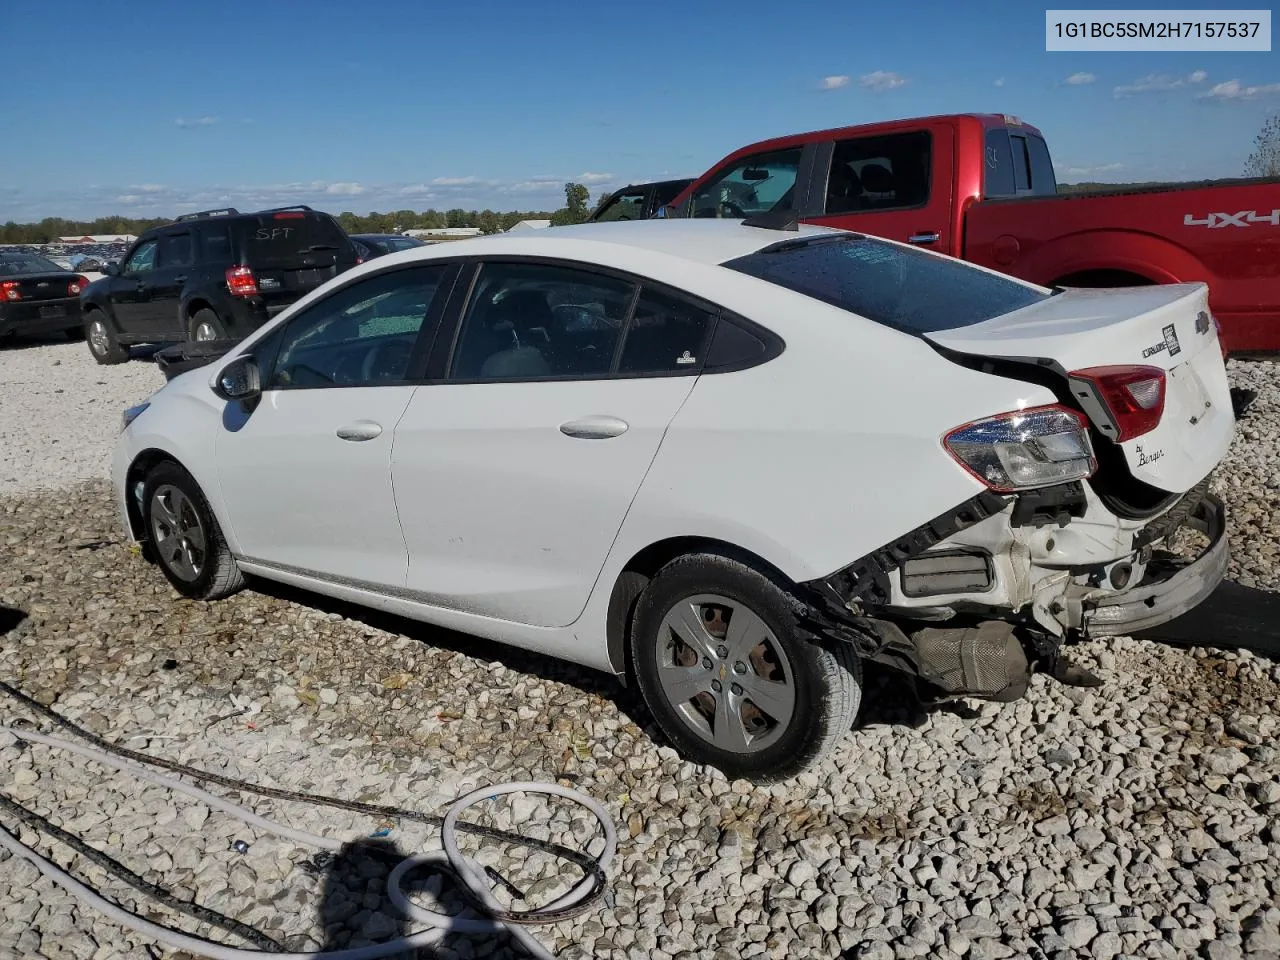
pixel 1165 236
pixel 816 458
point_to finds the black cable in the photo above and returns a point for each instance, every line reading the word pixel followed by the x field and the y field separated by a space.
pixel 142 885
pixel 587 863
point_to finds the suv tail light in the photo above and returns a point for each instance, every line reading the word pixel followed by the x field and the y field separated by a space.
pixel 1132 396
pixel 10 290
pixel 290 215
pixel 241 282
pixel 76 285
pixel 1024 449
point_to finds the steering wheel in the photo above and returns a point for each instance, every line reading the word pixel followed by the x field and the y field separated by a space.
pixel 386 360
pixel 735 212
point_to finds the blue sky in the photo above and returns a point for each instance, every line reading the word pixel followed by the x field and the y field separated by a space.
pixel 154 108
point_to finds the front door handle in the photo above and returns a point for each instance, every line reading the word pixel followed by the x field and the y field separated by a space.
pixel 594 428
pixel 924 237
pixel 181 279
pixel 360 430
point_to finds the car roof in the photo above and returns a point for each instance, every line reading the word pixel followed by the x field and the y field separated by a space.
pixel 707 241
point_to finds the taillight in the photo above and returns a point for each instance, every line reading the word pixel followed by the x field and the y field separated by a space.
pixel 241 282
pixel 10 290
pixel 76 285
pixel 290 215
pixel 1024 449
pixel 1132 395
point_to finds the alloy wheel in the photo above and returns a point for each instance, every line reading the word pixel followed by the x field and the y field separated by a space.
pixel 205 331
pixel 179 537
pixel 99 342
pixel 725 673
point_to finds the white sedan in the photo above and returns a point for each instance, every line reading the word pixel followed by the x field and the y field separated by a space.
pixel 727 463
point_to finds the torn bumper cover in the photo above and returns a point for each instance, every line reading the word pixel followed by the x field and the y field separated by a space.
pixel 1169 590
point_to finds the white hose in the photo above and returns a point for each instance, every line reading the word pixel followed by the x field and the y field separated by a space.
pixel 469 873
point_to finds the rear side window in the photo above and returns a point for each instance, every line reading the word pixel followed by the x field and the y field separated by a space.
pixel 880 173
pixel 216 244
pixel 1042 179
pixel 909 290
pixel 1021 164
pixel 997 165
pixel 290 239
pixel 666 335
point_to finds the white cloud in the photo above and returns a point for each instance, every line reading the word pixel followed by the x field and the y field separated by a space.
pixel 1091 171
pixel 999 81
pixel 1159 82
pixel 1080 79
pixel 196 121
pixel 1235 90
pixel 880 81
pixel 417 190
pixel 344 189
pixel 128 199
pixel 454 181
pixel 833 83
pixel 148 187
pixel 593 178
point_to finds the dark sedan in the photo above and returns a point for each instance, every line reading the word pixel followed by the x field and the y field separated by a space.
pixel 37 296
pixel 370 245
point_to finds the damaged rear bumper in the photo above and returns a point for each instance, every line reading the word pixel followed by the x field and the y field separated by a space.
pixel 1181 588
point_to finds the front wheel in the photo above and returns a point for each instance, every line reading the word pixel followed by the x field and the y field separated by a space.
pixel 185 537
pixel 104 346
pixel 731 676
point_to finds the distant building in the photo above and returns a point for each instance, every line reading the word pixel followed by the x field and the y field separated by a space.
pixel 101 238
pixel 530 225
pixel 444 233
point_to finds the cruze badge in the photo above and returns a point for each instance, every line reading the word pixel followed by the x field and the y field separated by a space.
pixel 1215 221
pixel 686 357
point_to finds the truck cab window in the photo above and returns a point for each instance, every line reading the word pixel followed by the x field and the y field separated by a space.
pixel 1043 181
pixel 1021 164
pixel 879 173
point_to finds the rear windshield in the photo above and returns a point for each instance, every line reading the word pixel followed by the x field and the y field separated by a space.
pixel 907 289
pixel 13 264
pixel 287 238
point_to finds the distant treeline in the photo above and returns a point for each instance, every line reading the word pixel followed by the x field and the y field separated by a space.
pixel 490 221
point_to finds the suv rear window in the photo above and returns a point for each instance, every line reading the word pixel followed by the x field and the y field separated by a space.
pixel 906 289
pixel 286 239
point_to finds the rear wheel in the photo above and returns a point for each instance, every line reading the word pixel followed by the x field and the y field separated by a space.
pixel 104 346
pixel 205 325
pixel 184 535
pixel 732 677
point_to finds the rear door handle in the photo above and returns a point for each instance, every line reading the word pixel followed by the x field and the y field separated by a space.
pixel 360 430
pixel 924 237
pixel 594 428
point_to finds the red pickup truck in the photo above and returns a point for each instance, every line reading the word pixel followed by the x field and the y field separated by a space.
pixel 982 187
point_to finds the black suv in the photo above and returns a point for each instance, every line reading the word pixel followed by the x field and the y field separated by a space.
pixel 638 201
pixel 215 275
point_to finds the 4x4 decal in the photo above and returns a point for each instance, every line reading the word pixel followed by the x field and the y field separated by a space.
pixel 1215 221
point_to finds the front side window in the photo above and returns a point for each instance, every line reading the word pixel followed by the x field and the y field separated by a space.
pixel 529 321
pixel 363 335
pixel 623 206
pixel 142 259
pixel 750 186
pixel 879 173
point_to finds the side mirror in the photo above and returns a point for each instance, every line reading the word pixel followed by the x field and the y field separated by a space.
pixel 241 379
pixel 111 269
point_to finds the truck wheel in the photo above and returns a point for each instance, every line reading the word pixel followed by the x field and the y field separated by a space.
pixel 102 341
pixel 184 536
pixel 205 325
pixel 731 676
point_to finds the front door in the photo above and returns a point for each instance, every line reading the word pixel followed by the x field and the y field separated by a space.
pixel 306 474
pixel 165 283
pixel 513 475
pixel 130 299
pixel 892 185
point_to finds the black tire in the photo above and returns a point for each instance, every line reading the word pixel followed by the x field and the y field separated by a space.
pixel 104 346
pixel 205 320
pixel 213 572
pixel 825 676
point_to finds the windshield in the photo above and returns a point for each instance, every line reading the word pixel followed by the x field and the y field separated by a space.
pixel 11 265
pixel 907 289
pixel 401 243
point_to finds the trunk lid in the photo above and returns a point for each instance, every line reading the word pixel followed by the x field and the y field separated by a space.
pixel 1167 326
pixel 43 286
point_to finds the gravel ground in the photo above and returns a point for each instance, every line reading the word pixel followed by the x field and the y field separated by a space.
pixel 1139 819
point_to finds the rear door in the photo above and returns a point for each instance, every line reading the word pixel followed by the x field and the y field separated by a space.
pixel 897 185
pixel 515 467
pixel 291 252
pixel 163 286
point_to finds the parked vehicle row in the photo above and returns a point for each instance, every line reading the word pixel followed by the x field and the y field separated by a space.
pixel 730 463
